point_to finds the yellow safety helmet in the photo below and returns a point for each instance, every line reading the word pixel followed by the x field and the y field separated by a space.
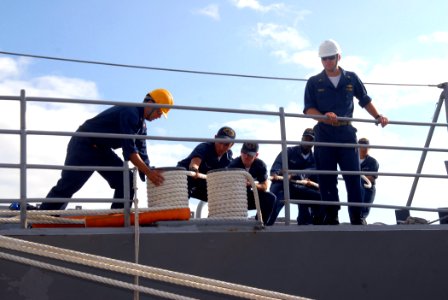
pixel 161 96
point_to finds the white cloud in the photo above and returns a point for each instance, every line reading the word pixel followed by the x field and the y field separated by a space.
pixel 10 68
pixel 167 154
pixel 255 5
pixel 211 11
pixel 431 71
pixel 50 86
pixel 281 37
pixel 287 44
pixel 61 117
pixel 306 58
pixel 440 37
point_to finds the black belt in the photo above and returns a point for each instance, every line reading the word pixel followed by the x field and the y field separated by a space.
pixel 342 123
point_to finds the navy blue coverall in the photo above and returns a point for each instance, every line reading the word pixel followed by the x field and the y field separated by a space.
pixel 98 151
pixel 296 161
pixel 259 172
pixel 197 187
pixel 321 94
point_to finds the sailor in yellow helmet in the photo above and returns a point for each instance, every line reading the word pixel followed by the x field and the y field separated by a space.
pixel 159 96
pixel 99 151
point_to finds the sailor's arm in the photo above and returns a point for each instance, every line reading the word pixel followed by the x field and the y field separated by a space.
pixel 194 165
pixel 155 176
pixel 374 113
pixel 262 186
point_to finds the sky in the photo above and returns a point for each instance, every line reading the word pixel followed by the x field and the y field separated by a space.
pixel 403 42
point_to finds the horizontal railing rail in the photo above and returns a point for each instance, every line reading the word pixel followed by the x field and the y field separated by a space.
pixel 24 133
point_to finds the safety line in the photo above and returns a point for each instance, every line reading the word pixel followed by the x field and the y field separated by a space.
pixel 191 71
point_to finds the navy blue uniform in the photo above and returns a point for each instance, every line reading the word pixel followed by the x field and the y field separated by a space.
pixel 197 188
pixel 97 151
pixel 259 172
pixel 369 164
pixel 321 94
pixel 296 161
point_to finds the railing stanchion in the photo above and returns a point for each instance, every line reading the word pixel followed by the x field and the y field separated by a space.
pixel 126 195
pixel 445 94
pixel 285 169
pixel 23 178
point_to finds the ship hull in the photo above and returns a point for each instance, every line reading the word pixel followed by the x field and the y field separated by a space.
pixel 319 262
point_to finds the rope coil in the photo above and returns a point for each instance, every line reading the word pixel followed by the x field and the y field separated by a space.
pixel 172 193
pixel 227 194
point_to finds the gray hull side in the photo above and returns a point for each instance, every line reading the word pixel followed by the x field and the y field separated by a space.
pixel 331 262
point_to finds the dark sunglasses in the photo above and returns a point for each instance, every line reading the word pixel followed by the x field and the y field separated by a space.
pixel 329 57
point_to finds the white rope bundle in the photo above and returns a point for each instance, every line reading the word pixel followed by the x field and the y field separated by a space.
pixel 129 268
pixel 42 219
pixel 74 212
pixel 227 194
pixel 173 193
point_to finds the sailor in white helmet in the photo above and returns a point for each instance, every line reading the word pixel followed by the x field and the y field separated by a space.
pixel 330 94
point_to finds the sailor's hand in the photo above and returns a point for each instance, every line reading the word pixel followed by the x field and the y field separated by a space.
pixel 332 118
pixel 382 120
pixel 156 177
pixel 275 177
pixel 195 170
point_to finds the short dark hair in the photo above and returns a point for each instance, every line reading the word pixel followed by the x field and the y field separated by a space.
pixel 364 141
pixel 226 133
pixel 309 132
pixel 250 148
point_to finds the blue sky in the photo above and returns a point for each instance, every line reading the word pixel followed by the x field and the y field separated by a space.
pixel 382 41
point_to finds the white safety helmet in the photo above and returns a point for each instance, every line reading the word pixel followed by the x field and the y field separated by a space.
pixel 329 48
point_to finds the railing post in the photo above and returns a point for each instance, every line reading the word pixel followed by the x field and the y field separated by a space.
pixel 23 161
pixel 285 169
pixel 428 141
pixel 126 193
pixel 445 94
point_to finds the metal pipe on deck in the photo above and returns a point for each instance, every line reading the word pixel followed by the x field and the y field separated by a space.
pixel 428 141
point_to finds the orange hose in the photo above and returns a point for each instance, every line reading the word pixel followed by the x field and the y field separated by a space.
pixel 117 220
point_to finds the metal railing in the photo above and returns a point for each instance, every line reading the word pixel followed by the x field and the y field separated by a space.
pixel 24 132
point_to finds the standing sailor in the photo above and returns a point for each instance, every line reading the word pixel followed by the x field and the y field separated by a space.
pixel 330 94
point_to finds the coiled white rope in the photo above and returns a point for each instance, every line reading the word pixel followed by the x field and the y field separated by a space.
pixel 76 212
pixel 304 182
pixel 172 193
pixel 42 219
pixel 367 184
pixel 227 194
pixel 140 270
